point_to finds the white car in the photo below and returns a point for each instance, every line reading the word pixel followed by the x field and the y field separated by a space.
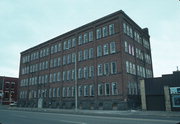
pixel 13 104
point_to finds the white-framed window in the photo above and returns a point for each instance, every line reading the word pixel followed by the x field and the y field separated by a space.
pixel 59 47
pixel 106 69
pixel 72 91
pixel 130 49
pixel 86 72
pixel 113 67
pixel 98 33
pixel 80 40
pixel 80 56
pixel 69 75
pixel 99 51
pixel 69 92
pixel 100 89
pixel 64 92
pixel 73 42
pixel 73 74
pixel 52 50
pixel 91 53
pixel 86 53
pixel 112 47
pixel 64 45
pixel 50 78
pixel 59 61
pixel 85 37
pixel 111 29
pixel 104 31
pixel 55 48
pixel 86 90
pixel 90 36
pixel 114 88
pixel 64 76
pixel 50 92
pixel 107 88
pixel 100 70
pixel 73 57
pixel 69 44
pixel 64 60
pixel 91 71
pixel 69 58
pixel 55 62
pixel 91 90
pixel 58 92
pixel 124 28
pixel 105 49
pixel 80 73
pixel 80 91
pixel 127 67
pixel 46 66
pixel 126 46
pixel 54 77
pixel 54 92
pixel 130 68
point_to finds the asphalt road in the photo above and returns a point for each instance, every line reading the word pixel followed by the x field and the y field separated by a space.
pixel 24 117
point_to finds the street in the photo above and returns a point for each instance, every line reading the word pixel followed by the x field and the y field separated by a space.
pixel 24 117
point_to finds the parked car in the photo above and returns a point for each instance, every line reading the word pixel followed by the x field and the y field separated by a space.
pixel 13 104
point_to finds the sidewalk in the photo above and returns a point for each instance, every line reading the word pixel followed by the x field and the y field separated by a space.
pixel 101 112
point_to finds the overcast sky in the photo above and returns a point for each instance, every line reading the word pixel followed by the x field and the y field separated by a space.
pixel 26 23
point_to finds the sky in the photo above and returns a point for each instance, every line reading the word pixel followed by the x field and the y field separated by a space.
pixel 27 23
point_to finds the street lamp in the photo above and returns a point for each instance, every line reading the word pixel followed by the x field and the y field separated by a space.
pixel 76 83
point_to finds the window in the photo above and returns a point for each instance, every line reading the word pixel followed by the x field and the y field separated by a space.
pixel 131 32
pixel 50 78
pixel 130 67
pixel 46 66
pixel 124 28
pixel 127 67
pixel 69 44
pixel 90 36
pixel 55 62
pixel 85 72
pixel 80 73
pixel 69 75
pixel 134 69
pixel 91 87
pixel 105 31
pixel 54 77
pixel 99 51
pixel 73 57
pixel 68 58
pixel 59 76
pixel 80 91
pixel 85 38
pixel 64 92
pixel 113 68
pixel 50 92
pixel 86 90
pixel 91 71
pixel 114 88
pixel 112 47
pixel 111 29
pixel 129 49
pixel 59 47
pixel 55 48
pixel 132 50
pixel 126 46
pixel 91 53
pixel 64 59
pixel 64 75
pixel 58 92
pixel 107 89
pixel 80 40
pixel 105 49
pixel 80 56
pixel 54 92
pixel 100 71
pixel 73 42
pixel 59 61
pixel 86 52
pixel 98 33
pixel 106 68
pixel 100 89
pixel 65 45
pixel 68 91
pixel 73 75
pixel 72 91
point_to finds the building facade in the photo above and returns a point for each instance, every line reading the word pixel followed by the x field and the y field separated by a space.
pixel 107 57
pixel 8 90
pixel 161 93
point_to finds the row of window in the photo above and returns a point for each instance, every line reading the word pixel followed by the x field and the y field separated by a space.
pixel 127 29
pixel 83 90
pixel 70 43
pixel 141 71
pixel 133 88
pixel 70 58
pixel 107 68
pixel 104 32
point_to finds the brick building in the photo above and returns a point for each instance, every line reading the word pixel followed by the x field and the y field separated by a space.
pixel 110 55
pixel 8 89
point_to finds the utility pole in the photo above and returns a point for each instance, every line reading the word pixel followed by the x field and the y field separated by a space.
pixel 76 106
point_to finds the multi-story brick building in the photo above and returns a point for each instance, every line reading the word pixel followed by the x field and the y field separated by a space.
pixel 110 55
pixel 8 89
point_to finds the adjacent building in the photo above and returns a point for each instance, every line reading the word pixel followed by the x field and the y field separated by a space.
pixel 161 93
pixel 8 90
pixel 107 57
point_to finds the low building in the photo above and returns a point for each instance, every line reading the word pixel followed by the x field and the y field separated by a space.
pixel 161 93
pixel 8 90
